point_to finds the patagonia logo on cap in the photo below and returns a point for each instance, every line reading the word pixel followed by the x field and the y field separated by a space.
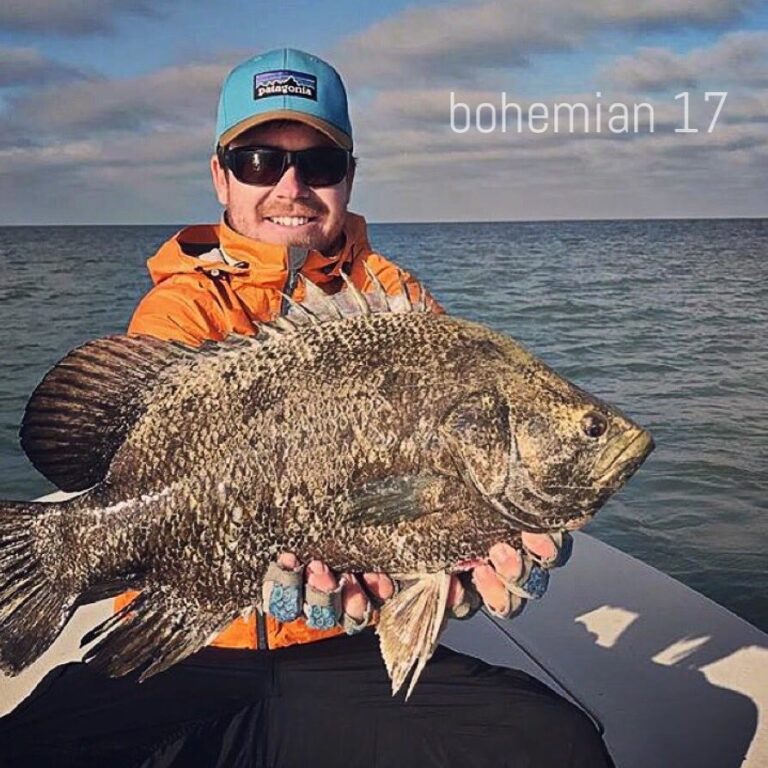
pixel 285 82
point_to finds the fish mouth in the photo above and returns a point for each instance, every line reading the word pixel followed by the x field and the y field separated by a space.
pixel 616 468
pixel 618 462
pixel 578 522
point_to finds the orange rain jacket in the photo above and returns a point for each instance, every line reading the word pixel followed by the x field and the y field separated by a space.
pixel 211 281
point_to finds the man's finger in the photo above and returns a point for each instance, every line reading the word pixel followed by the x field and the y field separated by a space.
pixel 357 610
pixel 456 592
pixel 322 597
pixel 523 578
pixel 354 601
pixel 491 589
pixel 379 585
pixel 507 561
pixel 321 577
pixel 283 588
pixel 464 601
pixel 540 544
pixel 288 560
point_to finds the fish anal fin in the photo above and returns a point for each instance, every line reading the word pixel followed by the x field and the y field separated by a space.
pixel 156 630
pixel 409 627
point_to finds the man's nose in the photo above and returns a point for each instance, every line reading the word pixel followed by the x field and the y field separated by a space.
pixel 291 185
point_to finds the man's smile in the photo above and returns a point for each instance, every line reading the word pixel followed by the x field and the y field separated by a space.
pixel 290 221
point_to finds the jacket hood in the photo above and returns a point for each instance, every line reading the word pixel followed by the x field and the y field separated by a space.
pixel 217 248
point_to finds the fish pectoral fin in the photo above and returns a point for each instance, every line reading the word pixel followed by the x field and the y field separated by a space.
pixel 409 627
pixel 389 500
pixel 157 629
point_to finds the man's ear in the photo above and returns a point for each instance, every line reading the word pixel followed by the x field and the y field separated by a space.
pixel 220 182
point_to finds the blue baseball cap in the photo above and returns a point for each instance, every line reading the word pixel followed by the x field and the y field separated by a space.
pixel 284 84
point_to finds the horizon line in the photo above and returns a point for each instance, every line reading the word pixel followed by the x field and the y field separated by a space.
pixel 433 221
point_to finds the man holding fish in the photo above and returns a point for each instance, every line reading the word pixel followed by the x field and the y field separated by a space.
pixel 265 691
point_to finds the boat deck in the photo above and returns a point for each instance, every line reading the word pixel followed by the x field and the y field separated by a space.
pixel 671 678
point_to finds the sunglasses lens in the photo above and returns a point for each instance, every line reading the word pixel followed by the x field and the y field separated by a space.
pixel 323 166
pixel 261 167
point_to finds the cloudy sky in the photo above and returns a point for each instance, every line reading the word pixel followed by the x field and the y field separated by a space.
pixel 107 106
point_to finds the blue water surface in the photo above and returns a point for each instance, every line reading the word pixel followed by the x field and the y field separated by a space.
pixel 666 319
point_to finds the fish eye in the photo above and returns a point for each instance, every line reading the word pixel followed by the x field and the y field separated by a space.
pixel 594 424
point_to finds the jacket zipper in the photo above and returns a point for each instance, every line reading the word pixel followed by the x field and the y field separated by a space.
pixel 261 631
pixel 296 258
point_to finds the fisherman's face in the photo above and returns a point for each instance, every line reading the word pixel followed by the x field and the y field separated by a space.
pixel 252 210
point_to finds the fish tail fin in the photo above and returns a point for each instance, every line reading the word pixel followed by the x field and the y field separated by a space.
pixel 34 606
pixel 409 626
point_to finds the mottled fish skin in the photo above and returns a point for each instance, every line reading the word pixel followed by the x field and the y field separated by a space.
pixel 395 441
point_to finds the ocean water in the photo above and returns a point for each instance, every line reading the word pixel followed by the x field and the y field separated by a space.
pixel 666 319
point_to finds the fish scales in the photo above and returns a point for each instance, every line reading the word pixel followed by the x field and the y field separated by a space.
pixel 284 454
pixel 363 431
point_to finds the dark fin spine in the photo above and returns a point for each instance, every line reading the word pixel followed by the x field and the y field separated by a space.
pixel 404 290
pixel 322 304
pixel 302 310
pixel 352 302
pixel 359 298
pixel 34 606
pixel 378 289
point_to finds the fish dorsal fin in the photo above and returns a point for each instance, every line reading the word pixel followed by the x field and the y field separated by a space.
pixel 321 307
pixel 82 409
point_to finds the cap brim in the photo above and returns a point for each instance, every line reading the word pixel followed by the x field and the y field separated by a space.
pixel 333 133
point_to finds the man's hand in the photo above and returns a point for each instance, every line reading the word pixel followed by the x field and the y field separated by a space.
pixel 503 583
pixel 511 576
pixel 327 597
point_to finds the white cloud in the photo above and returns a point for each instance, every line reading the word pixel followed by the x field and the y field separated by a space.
pixel 111 145
pixel 173 96
pixel 70 17
pixel 415 164
pixel 455 41
pixel 28 67
pixel 422 170
pixel 737 57
pixel 160 177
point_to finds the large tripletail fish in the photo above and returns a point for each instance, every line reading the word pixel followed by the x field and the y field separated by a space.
pixel 363 430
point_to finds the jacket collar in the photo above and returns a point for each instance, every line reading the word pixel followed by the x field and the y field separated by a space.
pixel 217 248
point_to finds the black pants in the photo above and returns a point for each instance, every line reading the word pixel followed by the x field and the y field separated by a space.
pixel 325 704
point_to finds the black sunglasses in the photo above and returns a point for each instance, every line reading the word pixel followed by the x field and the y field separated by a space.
pixel 265 166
